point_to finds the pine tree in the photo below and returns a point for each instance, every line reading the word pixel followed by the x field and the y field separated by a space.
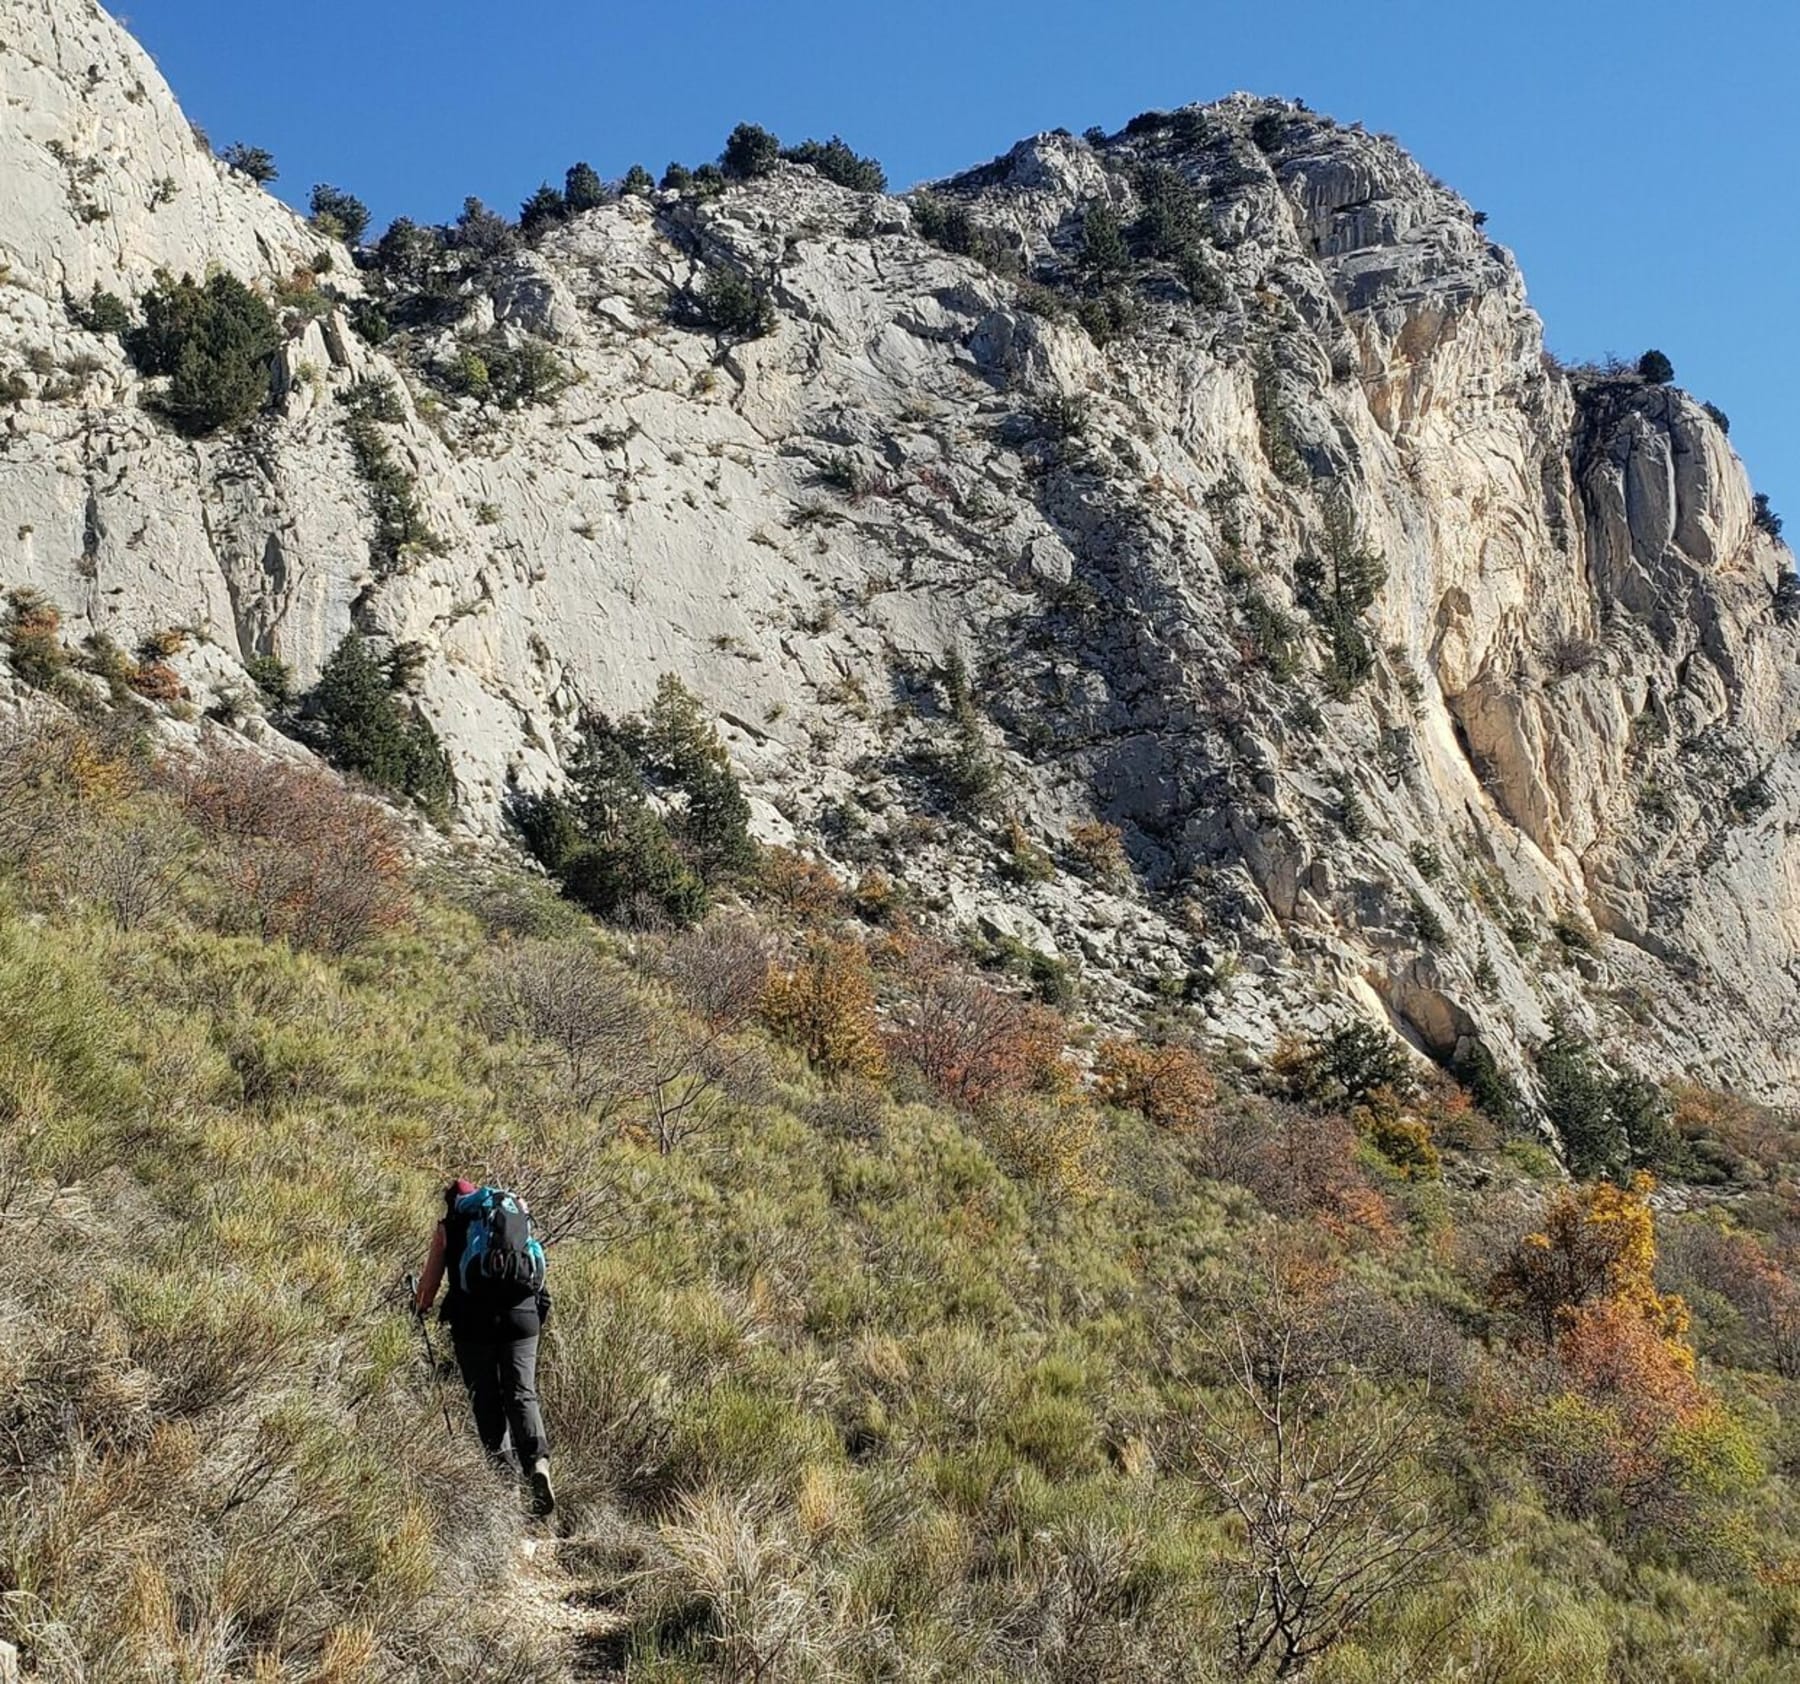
pixel 368 731
pixel 544 209
pixel 1576 1101
pixel 583 189
pixel 339 215
pixel 1103 249
pixel 482 231
pixel 750 151
pixel 834 160
pixel 214 342
pixel 257 162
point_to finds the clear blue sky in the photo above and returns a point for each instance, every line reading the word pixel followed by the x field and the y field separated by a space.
pixel 1640 156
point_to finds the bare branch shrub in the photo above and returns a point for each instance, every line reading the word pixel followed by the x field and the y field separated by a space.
pixel 567 1171
pixel 132 871
pixel 625 1058
pixel 697 1074
pixel 852 1110
pixel 720 969
pixel 1571 653
pixel 56 772
pixel 1328 1479
pixel 583 1010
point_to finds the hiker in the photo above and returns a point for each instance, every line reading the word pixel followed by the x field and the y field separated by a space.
pixel 495 1307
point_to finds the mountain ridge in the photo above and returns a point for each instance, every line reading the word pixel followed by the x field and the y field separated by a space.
pixel 1124 488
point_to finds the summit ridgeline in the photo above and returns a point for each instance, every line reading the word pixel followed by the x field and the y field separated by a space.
pixel 1208 480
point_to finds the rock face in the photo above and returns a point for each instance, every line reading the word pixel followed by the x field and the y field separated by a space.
pixel 1540 765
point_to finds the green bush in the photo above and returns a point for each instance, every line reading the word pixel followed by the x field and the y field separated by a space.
pixel 837 162
pixel 635 863
pixel 273 678
pixel 1426 924
pixel 215 344
pixel 950 224
pixel 339 215
pixel 1171 222
pixel 1277 430
pixel 510 373
pixel 637 181
pixel 1337 582
pixel 1656 368
pixel 482 232
pixel 1103 251
pixel 606 841
pixel 1344 1068
pixel 407 252
pixel 1110 315
pixel 1205 285
pixel 1495 1092
pixel 750 151
pixel 733 305
pixel 583 189
pixel 401 529
pixel 367 729
pixel 32 628
pixel 104 312
pixel 679 754
pixel 544 209
pixel 1276 635
pixel 257 162
pixel 1608 1118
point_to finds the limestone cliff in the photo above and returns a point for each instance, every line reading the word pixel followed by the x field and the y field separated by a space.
pixel 1545 767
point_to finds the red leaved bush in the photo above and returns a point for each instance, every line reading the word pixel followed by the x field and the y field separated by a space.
pixel 304 858
pixel 974 1044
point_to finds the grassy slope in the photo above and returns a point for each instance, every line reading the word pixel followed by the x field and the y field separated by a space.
pixel 831 1401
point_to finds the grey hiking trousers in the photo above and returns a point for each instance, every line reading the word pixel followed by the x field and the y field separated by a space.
pixel 499 1366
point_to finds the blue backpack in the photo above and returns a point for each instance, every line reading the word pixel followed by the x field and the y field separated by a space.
pixel 501 1260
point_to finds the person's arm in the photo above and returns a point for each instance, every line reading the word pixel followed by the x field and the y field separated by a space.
pixel 433 1277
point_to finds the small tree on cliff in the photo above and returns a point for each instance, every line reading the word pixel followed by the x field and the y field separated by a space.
pixel 750 151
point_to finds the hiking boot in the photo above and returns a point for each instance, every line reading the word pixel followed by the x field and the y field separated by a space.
pixel 543 1497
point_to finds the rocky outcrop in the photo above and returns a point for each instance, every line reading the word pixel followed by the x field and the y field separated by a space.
pixel 1547 769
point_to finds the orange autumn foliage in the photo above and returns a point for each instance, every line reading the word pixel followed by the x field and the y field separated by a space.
pixel 825 1006
pixel 1614 1355
pixel 799 885
pixel 1597 1242
pixel 157 681
pixel 1170 1085
pixel 1619 1416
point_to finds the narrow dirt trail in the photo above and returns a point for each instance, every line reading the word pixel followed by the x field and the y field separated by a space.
pixel 571 1613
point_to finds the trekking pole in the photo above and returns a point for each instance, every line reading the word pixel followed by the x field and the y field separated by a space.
pixel 431 1363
